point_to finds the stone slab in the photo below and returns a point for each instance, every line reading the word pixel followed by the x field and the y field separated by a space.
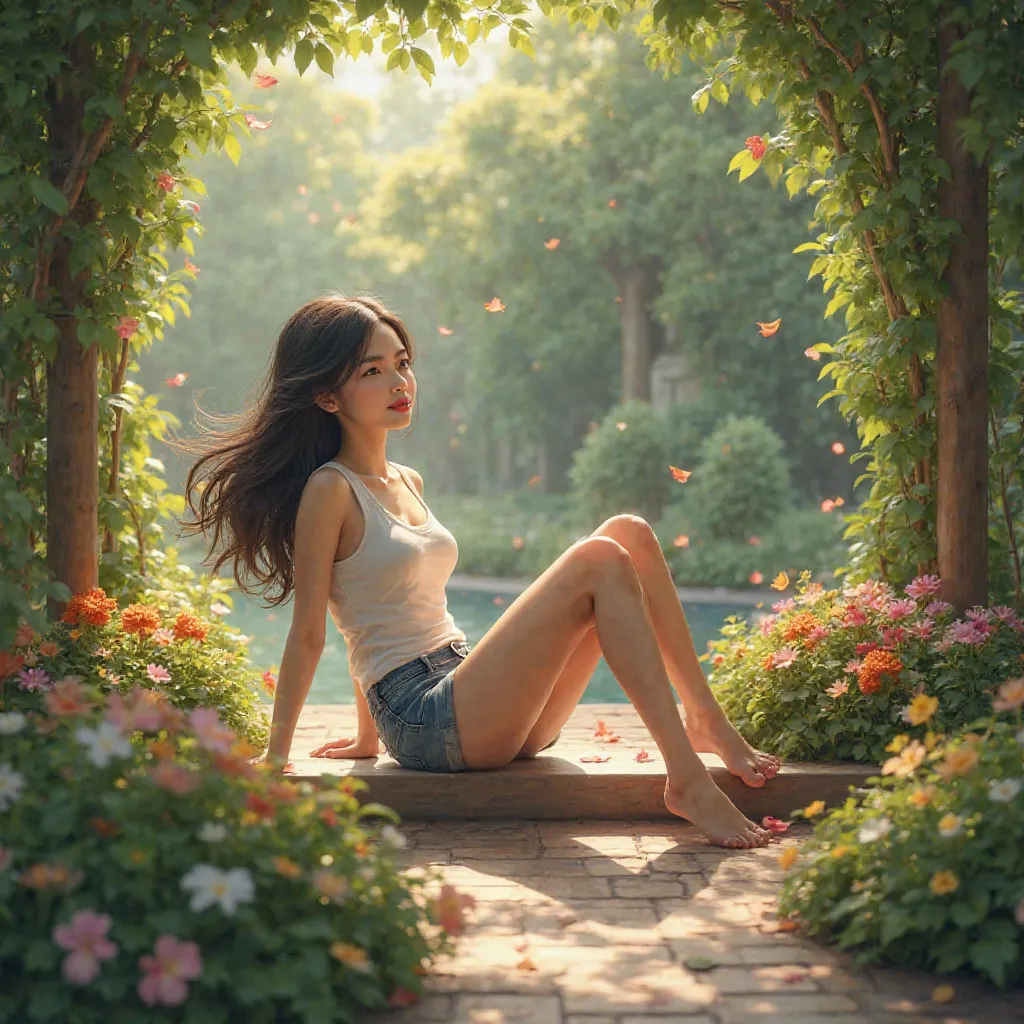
pixel 557 784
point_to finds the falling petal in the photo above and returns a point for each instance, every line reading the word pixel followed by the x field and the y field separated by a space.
pixel 774 825
pixel 495 305
pixel 680 475
pixel 838 447
pixel 618 298
pixel 498 600
pixel 754 541
pixel 827 505
pixel 177 380
pixel 756 578
pixel 518 543
pixel 446 331
pixel 303 190
pixel 612 203
pixel 643 756
pixel 264 81
pixel 595 758
pixel 552 243
pixel 813 354
pixel 780 582
pixel 534 481
pixel 526 964
pixel 838 501
pixel 767 330
pixel 620 425
pixel 190 266
pixel 338 118
pixel 257 125
pixel 351 219
pixel 681 541
pixel 601 729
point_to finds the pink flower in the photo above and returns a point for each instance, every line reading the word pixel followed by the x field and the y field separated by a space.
pixel 866 648
pixel 165 181
pixel 979 614
pixel 766 624
pixel 892 637
pixel 923 629
pixel 897 610
pixel 126 327
pixel 166 972
pixel 31 679
pixel 784 606
pixel 163 637
pixel 924 586
pixel 175 778
pixel 141 710
pixel 86 940
pixel 209 731
pixel 852 666
pixel 158 673
pixel 784 657
pixel 855 617
pixel 966 633
pixel 816 635
pixel 934 608
pixel 838 688
pixel 944 645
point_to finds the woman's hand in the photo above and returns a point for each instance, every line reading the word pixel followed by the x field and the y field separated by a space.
pixel 361 746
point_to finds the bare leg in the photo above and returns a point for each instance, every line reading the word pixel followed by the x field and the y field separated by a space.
pixel 706 725
pixel 506 680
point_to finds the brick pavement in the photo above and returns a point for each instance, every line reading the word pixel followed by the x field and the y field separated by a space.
pixel 600 922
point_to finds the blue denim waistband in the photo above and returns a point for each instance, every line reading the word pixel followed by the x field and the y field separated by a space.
pixel 445 655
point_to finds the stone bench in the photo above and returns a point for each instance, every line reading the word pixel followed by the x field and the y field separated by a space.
pixel 557 784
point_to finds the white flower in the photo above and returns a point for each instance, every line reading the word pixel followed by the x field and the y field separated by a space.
pixel 104 743
pixel 368 873
pixel 874 828
pixel 950 825
pixel 1003 790
pixel 213 832
pixel 11 785
pixel 11 722
pixel 211 885
pixel 391 835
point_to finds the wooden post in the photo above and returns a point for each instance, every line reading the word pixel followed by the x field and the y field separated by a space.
pixel 962 352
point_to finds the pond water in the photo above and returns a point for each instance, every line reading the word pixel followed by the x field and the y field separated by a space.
pixel 474 612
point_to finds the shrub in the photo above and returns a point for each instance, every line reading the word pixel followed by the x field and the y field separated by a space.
pixel 122 861
pixel 807 537
pixel 830 674
pixel 741 483
pixel 623 469
pixel 927 869
pixel 195 661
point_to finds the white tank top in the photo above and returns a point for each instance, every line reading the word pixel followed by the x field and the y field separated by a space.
pixel 387 598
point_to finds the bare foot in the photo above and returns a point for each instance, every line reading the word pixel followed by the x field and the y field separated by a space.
pixel 715 734
pixel 707 807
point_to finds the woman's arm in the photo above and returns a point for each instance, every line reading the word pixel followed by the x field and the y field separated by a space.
pixel 325 502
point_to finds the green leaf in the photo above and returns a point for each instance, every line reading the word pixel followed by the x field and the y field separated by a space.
pixel 303 55
pixel 810 247
pixel 700 100
pixel 324 59
pixel 460 53
pixel 233 148
pixel 720 91
pixel 424 62
pixel 48 195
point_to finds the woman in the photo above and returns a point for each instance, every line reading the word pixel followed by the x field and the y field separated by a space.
pixel 308 503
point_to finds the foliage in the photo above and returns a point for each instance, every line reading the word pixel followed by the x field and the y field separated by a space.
pixel 926 870
pixel 831 673
pixel 623 465
pixel 856 87
pixel 741 484
pixel 284 900
pixel 194 661
pixel 799 537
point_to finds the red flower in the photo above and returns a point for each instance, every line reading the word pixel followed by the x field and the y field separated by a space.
pixel 757 146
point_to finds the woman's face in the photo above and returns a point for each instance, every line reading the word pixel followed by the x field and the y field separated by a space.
pixel 384 376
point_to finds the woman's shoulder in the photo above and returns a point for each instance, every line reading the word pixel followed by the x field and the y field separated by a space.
pixel 411 473
pixel 329 488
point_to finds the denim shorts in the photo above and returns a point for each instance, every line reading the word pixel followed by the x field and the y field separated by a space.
pixel 413 708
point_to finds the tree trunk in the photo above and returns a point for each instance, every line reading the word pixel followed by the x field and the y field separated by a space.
pixel 637 333
pixel 962 353
pixel 505 463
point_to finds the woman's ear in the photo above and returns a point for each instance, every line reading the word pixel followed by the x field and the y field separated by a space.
pixel 326 402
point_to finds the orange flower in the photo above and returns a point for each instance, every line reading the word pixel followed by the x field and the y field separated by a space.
pixel 800 625
pixel 161 748
pixel 188 626
pixel 328 817
pixel 960 761
pixel 93 608
pixel 10 663
pixel 875 665
pixel 141 619
pixel 285 792
pixel 286 867
pixel 48 649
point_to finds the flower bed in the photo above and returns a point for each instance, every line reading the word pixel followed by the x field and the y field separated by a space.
pixel 836 674
pixel 194 661
pixel 169 871
pixel 926 870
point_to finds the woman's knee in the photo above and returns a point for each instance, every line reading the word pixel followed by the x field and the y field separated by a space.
pixel 598 557
pixel 633 532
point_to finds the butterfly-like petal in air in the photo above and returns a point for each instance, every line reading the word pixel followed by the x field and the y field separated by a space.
pixel 257 125
pixel 780 582
pixel 495 305
pixel 680 475
pixel 767 330
pixel 446 331
pixel 264 81
pixel 552 243
pixel 177 380
pixel 756 578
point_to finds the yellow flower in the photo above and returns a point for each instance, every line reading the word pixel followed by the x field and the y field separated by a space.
pixel 931 739
pixel 841 851
pixel 812 810
pixel 897 743
pixel 102 672
pixel 352 956
pixel 907 761
pixel 922 796
pixel 287 867
pixel 959 761
pixel 950 825
pixel 75 634
pixel 921 708
pixel 788 857
pixel 943 883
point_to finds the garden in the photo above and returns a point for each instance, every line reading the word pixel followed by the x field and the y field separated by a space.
pixel 154 866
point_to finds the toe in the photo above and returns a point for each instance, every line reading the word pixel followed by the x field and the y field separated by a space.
pixel 754 778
